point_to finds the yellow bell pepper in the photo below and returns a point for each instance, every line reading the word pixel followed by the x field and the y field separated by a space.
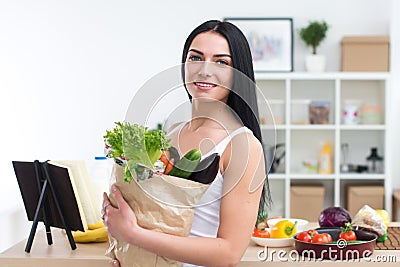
pixel 283 229
pixel 385 216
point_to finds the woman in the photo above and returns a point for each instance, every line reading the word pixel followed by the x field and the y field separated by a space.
pixel 219 79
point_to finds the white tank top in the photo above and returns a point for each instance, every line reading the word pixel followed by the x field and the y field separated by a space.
pixel 206 212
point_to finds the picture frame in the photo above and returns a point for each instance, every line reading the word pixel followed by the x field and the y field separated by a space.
pixel 270 41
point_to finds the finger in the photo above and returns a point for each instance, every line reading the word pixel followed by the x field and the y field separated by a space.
pixel 118 197
pixel 105 198
pixel 114 263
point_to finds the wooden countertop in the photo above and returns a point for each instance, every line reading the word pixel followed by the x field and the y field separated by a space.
pixel 60 254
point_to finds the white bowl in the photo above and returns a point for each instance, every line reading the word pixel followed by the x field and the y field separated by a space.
pixel 273 242
pixel 301 224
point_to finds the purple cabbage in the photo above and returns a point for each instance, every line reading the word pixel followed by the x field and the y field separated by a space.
pixel 334 217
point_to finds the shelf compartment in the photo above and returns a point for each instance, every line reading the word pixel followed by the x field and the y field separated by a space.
pixel 328 185
pixel 271 95
pixel 360 144
pixel 305 146
pixel 345 184
pixel 303 92
pixel 311 196
pixel 369 93
pixel 274 147
pixel 271 112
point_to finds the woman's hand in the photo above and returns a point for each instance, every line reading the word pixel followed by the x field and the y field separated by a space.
pixel 120 221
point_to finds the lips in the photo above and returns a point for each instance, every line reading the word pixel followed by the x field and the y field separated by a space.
pixel 204 85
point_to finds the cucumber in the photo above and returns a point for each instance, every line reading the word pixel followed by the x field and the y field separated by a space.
pixel 187 164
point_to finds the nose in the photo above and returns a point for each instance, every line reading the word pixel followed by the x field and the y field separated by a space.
pixel 205 69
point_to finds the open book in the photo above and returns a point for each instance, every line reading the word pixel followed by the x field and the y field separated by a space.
pixel 83 189
pixel 72 187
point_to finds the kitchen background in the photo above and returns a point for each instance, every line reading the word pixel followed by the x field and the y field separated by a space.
pixel 68 69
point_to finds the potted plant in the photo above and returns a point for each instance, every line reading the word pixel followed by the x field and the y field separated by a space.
pixel 313 35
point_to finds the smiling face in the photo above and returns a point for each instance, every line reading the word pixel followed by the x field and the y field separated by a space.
pixel 208 70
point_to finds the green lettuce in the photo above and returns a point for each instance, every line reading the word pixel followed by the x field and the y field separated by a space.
pixel 135 144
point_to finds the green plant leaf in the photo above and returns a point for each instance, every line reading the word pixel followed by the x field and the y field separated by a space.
pixel 314 34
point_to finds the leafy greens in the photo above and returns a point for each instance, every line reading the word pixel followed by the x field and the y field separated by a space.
pixel 136 144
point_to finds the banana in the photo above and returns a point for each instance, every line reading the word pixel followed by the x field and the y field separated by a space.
pixel 99 224
pixel 91 235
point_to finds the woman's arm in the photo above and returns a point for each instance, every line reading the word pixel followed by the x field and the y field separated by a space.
pixel 238 214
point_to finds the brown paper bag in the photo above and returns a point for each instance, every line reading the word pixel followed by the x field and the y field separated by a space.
pixel 161 203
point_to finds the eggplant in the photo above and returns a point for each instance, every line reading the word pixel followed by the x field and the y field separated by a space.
pixel 206 170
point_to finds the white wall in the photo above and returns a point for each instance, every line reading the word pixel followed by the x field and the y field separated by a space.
pixel 68 69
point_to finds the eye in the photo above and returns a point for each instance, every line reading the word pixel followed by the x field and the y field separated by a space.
pixel 222 62
pixel 194 58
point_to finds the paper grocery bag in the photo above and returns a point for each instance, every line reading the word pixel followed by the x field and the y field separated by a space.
pixel 161 203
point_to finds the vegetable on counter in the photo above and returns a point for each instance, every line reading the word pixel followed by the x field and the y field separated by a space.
pixel 312 236
pixel 334 217
pixel 347 232
pixel 283 229
pixel 304 236
pixel 385 216
pixel 321 238
pixel 263 233
pixel 312 232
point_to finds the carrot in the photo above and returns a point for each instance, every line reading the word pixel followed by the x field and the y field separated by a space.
pixel 169 166
pixel 165 157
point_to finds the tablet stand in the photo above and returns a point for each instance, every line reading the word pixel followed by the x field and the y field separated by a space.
pixel 48 198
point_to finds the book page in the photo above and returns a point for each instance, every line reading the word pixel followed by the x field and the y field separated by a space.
pixel 81 184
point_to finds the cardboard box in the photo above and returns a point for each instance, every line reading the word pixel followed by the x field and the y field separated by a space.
pixel 365 53
pixel 306 202
pixel 358 196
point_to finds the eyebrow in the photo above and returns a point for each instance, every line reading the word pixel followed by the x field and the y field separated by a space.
pixel 217 55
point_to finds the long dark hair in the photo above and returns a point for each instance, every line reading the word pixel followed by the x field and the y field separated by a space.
pixel 242 98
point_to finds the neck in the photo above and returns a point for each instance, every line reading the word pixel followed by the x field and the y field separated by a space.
pixel 211 113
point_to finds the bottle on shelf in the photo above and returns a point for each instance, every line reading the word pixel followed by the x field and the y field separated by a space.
pixel 325 159
pixel 375 161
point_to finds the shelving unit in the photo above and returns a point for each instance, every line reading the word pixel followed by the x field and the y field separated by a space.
pixel 304 141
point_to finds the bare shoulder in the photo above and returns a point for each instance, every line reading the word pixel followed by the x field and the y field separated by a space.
pixel 243 148
pixel 244 163
pixel 249 141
